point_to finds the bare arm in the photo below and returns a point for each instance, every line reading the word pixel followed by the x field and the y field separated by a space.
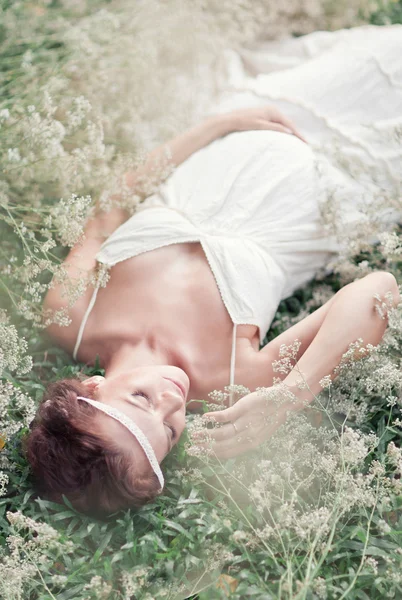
pixel 351 316
pixel 81 259
pixel 304 331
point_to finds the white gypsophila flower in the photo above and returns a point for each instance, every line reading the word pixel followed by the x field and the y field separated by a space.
pixel 17 410
pixel 383 527
pixel 320 588
pixel 14 574
pixel 355 352
pixel 100 587
pixel 48 103
pixel 277 394
pixel 240 536
pixel 135 580
pixel 4 479
pixel 78 113
pixel 4 115
pixel 287 358
pixel 383 305
pixel 59 580
pixel 44 532
pixel 13 349
pixel 356 446
pixel 13 155
pixel 27 59
pixel 394 454
pixel 326 382
pixel 391 244
pixel 372 563
pixel 69 216
pixel 27 555
pixel 315 523
pixel 5 462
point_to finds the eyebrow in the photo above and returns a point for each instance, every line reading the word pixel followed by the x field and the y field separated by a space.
pixel 170 444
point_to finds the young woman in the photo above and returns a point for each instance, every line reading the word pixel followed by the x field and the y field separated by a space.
pixel 197 273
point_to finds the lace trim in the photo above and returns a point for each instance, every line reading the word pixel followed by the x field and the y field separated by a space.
pixel 84 322
pixel 218 285
pixel 135 430
pixel 131 254
pixel 232 363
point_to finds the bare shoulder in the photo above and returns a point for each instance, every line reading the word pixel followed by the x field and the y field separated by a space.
pixel 66 318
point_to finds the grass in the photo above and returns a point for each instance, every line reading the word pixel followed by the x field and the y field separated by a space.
pixel 183 535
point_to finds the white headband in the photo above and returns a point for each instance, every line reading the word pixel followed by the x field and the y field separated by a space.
pixel 134 429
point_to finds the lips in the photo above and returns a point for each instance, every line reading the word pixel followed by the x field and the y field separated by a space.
pixel 179 385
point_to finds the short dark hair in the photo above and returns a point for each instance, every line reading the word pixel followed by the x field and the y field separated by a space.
pixel 69 455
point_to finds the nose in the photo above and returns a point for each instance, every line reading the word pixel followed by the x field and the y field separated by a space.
pixel 171 401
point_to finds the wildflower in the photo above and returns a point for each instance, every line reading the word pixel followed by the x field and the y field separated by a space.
pixel 99 587
pixel 13 155
pixel 382 306
pixel 3 483
pixel 13 349
pixel 69 216
pixel 326 382
pixel 383 527
pixel 372 563
pixel 356 446
pixel 287 358
pixel 320 588
pixel 4 114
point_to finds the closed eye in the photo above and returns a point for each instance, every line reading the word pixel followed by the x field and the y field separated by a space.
pixel 172 429
pixel 138 393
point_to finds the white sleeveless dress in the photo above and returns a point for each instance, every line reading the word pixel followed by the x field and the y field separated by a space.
pixel 253 199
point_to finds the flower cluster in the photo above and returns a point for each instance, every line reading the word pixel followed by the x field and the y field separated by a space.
pixel 29 552
pixel 80 111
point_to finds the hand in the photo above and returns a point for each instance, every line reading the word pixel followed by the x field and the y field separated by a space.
pixel 250 422
pixel 265 117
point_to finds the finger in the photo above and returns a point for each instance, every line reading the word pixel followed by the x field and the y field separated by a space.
pixel 239 444
pixel 239 410
pixel 243 440
pixel 220 416
pixel 230 448
pixel 229 414
pixel 282 120
pixel 285 129
pixel 289 127
pixel 247 425
pixel 227 432
pixel 274 126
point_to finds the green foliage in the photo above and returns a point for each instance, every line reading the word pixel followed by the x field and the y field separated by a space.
pixel 178 546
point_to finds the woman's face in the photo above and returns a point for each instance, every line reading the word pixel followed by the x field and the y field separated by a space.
pixel 154 398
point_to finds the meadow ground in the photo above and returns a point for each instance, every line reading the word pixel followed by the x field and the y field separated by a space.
pixel 313 514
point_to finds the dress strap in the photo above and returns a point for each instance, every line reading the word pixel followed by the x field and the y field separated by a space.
pixel 232 362
pixel 84 322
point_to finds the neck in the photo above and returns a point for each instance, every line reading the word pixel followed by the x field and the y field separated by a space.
pixel 129 356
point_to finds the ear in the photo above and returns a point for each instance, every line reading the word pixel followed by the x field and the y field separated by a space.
pixel 92 383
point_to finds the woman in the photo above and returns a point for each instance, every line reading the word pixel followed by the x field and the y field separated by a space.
pixel 197 273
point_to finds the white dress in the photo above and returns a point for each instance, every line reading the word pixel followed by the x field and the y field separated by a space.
pixel 253 199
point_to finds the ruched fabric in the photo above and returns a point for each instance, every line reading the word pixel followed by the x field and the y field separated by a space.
pixel 253 199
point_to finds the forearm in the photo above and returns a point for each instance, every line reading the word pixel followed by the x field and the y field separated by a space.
pixel 351 316
pixel 158 161
pixel 181 147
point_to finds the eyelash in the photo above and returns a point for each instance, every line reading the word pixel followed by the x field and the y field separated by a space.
pixel 143 395
pixel 173 430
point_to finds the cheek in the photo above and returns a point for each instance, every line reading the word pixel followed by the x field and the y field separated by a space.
pixel 182 423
